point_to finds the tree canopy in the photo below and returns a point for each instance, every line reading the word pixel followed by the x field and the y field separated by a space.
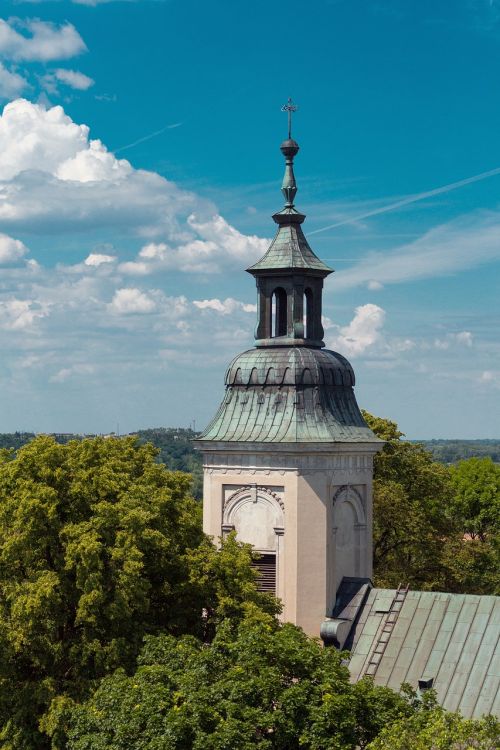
pixel 432 728
pixel 100 545
pixel 257 686
pixel 435 527
pixel 123 626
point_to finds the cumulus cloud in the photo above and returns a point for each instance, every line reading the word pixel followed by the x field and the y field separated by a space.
pixel 131 300
pixel 55 178
pixel 39 41
pixel 52 175
pixel 361 333
pixel 17 314
pixel 215 246
pixel 98 259
pixel 11 250
pixel 74 78
pixel 48 141
pixel 11 84
pixel 462 338
pixel 225 307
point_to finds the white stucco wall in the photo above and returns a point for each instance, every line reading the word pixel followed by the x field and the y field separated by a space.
pixel 311 504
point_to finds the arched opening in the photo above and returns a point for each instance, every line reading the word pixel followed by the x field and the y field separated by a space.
pixel 279 304
pixel 257 517
pixel 308 314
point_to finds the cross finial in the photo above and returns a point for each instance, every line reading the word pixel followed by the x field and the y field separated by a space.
pixel 289 107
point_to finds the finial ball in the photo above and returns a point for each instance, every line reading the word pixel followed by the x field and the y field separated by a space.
pixel 289 148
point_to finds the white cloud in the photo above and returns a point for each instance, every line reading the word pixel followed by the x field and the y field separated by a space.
pixel 462 338
pixel 216 247
pixel 489 377
pixel 464 243
pixel 11 84
pixel 48 141
pixel 374 286
pixel 361 333
pixel 53 175
pixel 98 259
pixel 67 372
pixel 226 307
pixel 74 78
pixel 17 314
pixel 11 250
pixel 154 251
pixel 127 301
pixel 42 41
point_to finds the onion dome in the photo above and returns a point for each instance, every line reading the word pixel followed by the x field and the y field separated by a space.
pixel 289 388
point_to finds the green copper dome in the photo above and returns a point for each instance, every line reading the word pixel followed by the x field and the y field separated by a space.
pixel 289 389
pixel 289 395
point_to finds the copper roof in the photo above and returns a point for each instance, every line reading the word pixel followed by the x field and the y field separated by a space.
pixel 288 395
pixel 449 639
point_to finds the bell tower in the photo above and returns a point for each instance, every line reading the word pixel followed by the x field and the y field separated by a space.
pixel 288 458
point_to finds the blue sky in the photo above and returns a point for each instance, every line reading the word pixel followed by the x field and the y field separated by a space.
pixel 139 167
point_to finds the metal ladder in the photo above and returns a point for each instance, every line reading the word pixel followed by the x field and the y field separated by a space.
pixel 387 628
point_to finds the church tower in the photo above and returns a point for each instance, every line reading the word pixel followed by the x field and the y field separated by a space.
pixel 288 458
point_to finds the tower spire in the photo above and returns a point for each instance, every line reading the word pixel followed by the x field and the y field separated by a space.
pixel 290 276
pixel 289 107
pixel 289 149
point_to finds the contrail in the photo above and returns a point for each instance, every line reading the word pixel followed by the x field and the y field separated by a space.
pixel 147 137
pixel 412 199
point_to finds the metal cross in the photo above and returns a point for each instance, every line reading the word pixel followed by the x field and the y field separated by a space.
pixel 289 107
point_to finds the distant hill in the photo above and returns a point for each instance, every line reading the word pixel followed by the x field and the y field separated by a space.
pixel 174 443
pixel 451 451
pixel 177 451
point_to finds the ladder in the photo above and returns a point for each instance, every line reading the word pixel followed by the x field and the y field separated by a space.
pixel 387 628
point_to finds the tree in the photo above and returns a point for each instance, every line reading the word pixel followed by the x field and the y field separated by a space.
pixel 99 546
pixel 473 557
pixel 476 497
pixel 411 496
pixel 435 528
pixel 435 729
pixel 258 686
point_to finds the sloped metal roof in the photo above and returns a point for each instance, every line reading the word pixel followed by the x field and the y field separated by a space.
pixel 290 250
pixel 451 638
pixel 289 395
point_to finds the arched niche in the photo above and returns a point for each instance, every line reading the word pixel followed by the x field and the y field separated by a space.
pixel 349 534
pixel 256 514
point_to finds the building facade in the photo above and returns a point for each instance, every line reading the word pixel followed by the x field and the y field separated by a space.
pixel 288 458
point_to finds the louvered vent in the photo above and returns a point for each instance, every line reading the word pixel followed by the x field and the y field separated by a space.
pixel 266 565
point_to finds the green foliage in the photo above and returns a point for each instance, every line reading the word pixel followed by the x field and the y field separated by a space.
pixel 476 496
pixel 434 729
pixel 176 451
pixel 174 444
pixel 435 528
pixel 99 546
pixel 411 495
pixel 451 451
pixel 257 686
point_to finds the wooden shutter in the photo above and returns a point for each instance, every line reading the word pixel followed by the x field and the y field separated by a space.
pixel 266 565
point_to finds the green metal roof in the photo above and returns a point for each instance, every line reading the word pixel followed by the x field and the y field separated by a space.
pixel 451 638
pixel 289 395
pixel 290 250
